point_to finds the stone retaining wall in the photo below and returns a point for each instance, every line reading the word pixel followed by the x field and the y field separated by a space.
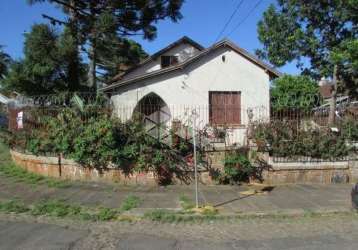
pixel 279 173
pixel 308 172
pixel 70 170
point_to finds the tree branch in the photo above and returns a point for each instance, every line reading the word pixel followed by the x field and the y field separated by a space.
pixel 67 5
pixel 54 20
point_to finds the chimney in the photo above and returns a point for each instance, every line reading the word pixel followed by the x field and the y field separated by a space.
pixel 324 82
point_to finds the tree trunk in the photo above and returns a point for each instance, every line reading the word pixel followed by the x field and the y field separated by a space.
pixel 73 67
pixel 92 66
pixel 92 52
pixel 333 100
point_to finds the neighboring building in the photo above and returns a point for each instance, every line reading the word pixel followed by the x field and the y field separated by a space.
pixel 344 103
pixel 221 83
pixel 325 88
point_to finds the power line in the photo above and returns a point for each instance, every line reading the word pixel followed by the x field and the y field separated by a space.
pixel 229 20
pixel 244 19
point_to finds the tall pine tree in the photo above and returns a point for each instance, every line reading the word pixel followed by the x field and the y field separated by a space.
pixel 96 20
pixel 47 64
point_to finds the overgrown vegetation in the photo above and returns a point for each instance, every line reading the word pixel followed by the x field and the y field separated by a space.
pixel 59 209
pixel 237 168
pixel 294 92
pixel 92 137
pixel 292 139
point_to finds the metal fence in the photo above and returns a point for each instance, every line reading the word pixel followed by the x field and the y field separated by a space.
pixel 225 126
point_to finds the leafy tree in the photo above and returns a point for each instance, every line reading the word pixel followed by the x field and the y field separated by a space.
pixel 298 29
pixel 94 20
pixel 4 63
pixel 116 55
pixel 47 64
pixel 294 92
pixel 346 55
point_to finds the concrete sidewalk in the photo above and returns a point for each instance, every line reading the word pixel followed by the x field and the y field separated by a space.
pixel 228 199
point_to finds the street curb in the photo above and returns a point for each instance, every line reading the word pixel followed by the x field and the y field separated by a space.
pixel 287 213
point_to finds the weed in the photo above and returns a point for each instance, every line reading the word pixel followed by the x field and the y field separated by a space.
pixel 186 203
pixel 106 214
pixel 13 207
pixel 130 202
pixel 83 215
pixel 161 215
pixel 56 209
pixel 208 211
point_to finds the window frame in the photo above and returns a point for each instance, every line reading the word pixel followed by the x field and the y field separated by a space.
pixel 173 60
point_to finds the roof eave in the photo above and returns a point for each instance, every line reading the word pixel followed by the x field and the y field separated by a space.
pixel 273 73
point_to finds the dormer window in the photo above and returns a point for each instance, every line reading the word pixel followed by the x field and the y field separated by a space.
pixel 167 61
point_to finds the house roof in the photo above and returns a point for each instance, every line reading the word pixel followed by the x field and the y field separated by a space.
pixel 183 40
pixel 224 43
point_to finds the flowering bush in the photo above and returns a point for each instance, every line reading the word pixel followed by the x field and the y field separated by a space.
pixel 292 139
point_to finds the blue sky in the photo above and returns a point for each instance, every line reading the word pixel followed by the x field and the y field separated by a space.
pixel 203 20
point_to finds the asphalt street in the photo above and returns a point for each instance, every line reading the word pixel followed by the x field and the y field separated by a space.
pixel 306 234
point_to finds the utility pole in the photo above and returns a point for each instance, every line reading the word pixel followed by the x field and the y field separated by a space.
pixel 195 163
pixel 333 101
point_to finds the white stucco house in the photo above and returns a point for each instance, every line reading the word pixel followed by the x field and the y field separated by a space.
pixel 221 83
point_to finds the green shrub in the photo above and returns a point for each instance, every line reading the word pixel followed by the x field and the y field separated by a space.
pixel 293 140
pixel 237 168
pixel 294 92
pixel 96 145
pixel 94 139
pixel 350 129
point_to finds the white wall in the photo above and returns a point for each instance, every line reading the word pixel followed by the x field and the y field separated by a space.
pixel 182 90
pixel 183 51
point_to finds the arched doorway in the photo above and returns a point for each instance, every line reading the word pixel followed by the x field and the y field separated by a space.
pixel 155 114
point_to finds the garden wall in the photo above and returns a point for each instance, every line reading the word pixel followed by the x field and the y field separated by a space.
pixel 279 173
pixel 310 172
pixel 70 170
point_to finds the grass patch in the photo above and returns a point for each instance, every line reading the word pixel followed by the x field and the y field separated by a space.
pixel 13 206
pixel 59 209
pixel 106 214
pixel 56 209
pixel 162 215
pixel 186 203
pixel 130 202
pixel 167 216
pixel 10 170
